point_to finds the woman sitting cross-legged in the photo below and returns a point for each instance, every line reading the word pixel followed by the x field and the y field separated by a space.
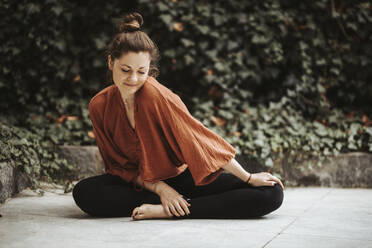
pixel 161 162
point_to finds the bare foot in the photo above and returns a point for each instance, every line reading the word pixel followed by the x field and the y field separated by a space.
pixel 149 211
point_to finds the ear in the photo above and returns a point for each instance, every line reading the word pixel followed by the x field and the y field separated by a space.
pixel 110 63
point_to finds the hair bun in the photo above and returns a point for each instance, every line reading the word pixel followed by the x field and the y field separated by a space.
pixel 131 22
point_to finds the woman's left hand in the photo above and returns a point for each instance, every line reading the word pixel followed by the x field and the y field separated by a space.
pixel 264 179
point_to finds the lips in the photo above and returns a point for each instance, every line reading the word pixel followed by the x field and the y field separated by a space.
pixel 130 84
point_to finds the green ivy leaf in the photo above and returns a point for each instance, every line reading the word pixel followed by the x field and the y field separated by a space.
pixel 269 162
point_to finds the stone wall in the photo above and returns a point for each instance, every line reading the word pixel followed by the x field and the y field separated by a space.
pixel 12 180
pixel 344 170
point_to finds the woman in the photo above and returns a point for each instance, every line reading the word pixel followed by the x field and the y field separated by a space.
pixel 148 139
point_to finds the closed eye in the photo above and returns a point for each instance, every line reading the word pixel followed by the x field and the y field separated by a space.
pixel 128 71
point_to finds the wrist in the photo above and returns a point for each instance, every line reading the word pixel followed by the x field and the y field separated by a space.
pixel 249 178
pixel 158 188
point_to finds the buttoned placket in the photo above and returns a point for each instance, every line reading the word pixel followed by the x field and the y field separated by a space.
pixel 134 133
pixel 138 147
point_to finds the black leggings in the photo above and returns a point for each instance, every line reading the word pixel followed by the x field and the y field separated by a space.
pixel 227 197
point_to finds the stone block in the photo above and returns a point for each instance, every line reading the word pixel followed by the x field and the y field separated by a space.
pixel 12 180
pixel 87 159
pixel 345 170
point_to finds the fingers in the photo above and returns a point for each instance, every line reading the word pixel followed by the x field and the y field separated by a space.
pixel 281 184
pixel 265 179
pixel 180 208
pixel 185 206
pixel 174 211
pixel 275 179
pixel 167 210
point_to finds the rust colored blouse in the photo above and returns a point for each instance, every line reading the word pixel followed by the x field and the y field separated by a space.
pixel 166 140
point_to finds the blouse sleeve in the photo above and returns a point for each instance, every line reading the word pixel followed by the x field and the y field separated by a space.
pixel 104 145
pixel 204 151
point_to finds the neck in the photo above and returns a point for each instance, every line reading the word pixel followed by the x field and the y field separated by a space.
pixel 127 96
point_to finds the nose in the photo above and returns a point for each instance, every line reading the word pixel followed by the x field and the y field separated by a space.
pixel 133 78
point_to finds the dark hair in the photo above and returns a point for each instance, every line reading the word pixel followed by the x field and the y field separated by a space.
pixel 131 39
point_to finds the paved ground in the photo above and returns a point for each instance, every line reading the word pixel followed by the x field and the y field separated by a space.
pixel 309 217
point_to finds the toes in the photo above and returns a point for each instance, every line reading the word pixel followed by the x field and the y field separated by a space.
pixel 134 212
pixel 139 217
pixel 136 215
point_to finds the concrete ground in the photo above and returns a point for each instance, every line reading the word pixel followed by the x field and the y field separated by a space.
pixel 309 217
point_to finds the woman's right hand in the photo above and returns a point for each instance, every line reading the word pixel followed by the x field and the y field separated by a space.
pixel 173 202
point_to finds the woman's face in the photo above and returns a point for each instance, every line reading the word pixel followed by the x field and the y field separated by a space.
pixel 130 71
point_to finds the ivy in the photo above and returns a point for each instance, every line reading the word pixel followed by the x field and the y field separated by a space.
pixel 40 161
pixel 274 78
